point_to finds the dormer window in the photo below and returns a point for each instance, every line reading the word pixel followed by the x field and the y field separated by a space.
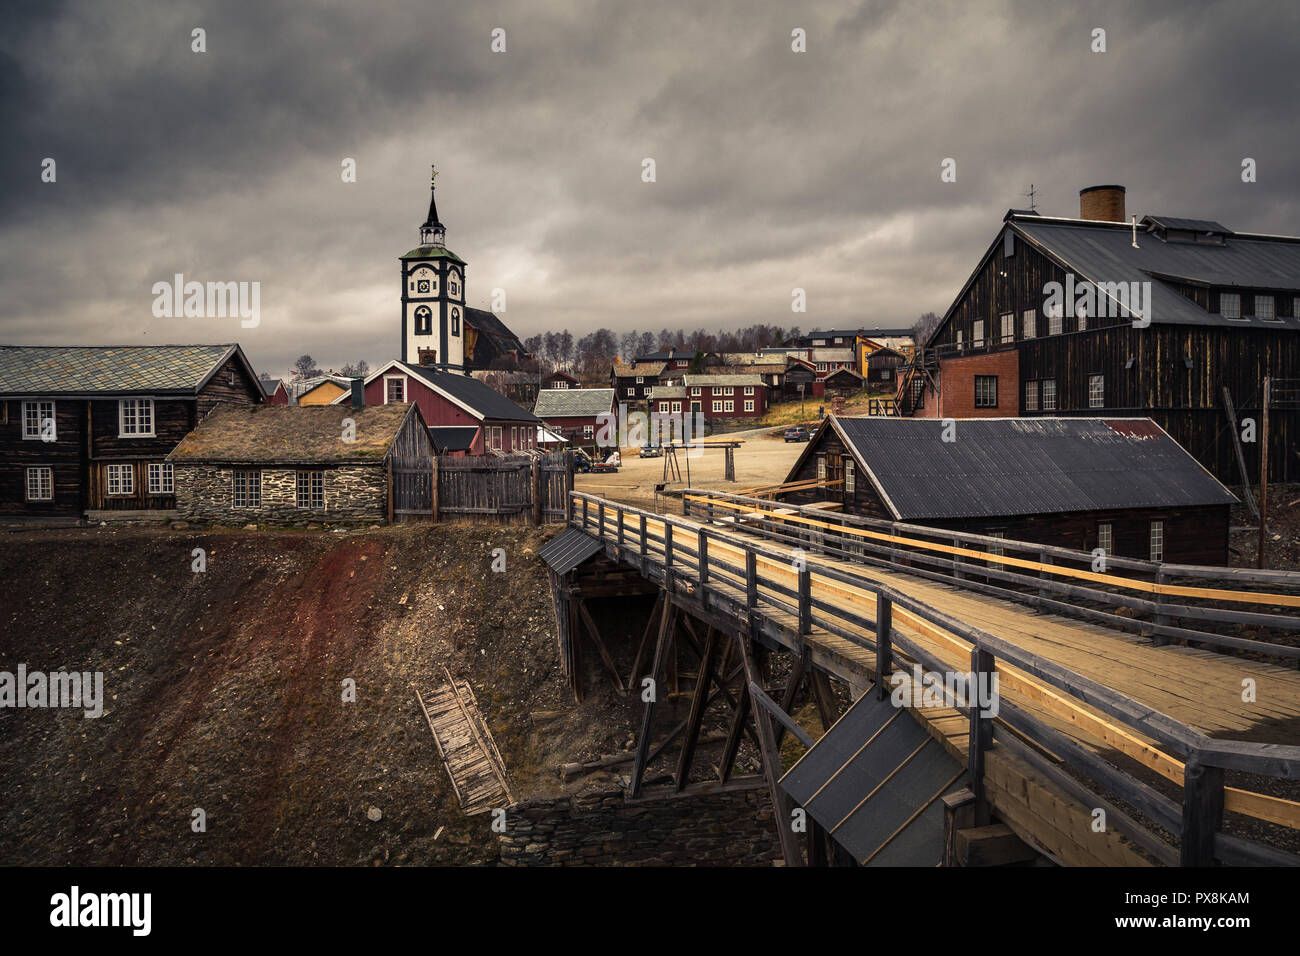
pixel 1230 305
pixel 1264 308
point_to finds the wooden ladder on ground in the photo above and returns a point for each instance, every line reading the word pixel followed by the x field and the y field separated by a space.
pixel 478 774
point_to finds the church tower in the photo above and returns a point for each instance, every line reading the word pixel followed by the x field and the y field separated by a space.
pixel 433 297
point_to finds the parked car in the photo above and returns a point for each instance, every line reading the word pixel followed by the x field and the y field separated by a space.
pixel 649 450
pixel 797 433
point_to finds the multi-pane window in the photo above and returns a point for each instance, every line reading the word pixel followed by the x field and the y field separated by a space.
pixel 821 467
pixel 918 393
pixel 1096 391
pixel 121 479
pixel 1106 537
pixel 640 380
pixel 848 476
pixel 588 431
pixel 40 483
pixel 729 390
pixel 1031 396
pixel 977 334
pixel 749 404
pixel 494 437
pixel 311 489
pixel 695 391
pixel 717 405
pixel 729 405
pixel 677 407
pixel 247 489
pixel 161 478
pixel 1230 305
pixel 1082 318
pixel 1029 323
pixel 1049 394
pixel 394 389
pixel 749 389
pixel 135 416
pixel 1055 321
pixel 1157 541
pixel 996 548
pixel 986 391
pixel 959 340
pixel 1008 327
pixel 36 416
pixel 1264 308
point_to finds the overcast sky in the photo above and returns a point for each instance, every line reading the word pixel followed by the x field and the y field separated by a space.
pixel 775 169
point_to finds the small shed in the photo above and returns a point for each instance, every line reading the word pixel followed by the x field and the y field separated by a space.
pixel 844 383
pixel 293 463
pixel 882 366
pixel 1123 485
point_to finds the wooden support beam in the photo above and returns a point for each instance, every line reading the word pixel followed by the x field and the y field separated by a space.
pixel 791 692
pixel 666 621
pixel 698 702
pixel 981 734
pixel 605 658
pixel 739 717
pixel 828 705
pixel 771 759
pixel 766 703
pixel 639 659
pixel 1202 813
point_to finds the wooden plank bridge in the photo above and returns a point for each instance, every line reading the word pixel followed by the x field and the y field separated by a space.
pixel 1116 740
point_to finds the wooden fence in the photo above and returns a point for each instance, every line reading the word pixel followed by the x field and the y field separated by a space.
pixel 525 489
pixel 752 581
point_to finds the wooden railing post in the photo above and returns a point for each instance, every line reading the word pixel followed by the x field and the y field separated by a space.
pixel 981 731
pixel 805 601
pixel 585 502
pixel 1161 578
pixel 641 548
pixel 668 551
pixel 751 580
pixel 1044 558
pixel 702 562
pixel 884 643
pixel 620 532
pixel 600 519
pixel 957 561
pixel 1202 812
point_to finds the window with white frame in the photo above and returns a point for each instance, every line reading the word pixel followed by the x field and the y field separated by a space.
pixel 246 489
pixel 1008 327
pixel 677 407
pixel 749 404
pixel 1106 537
pixel 749 389
pixel 848 476
pixel 821 467
pixel 40 483
pixel 121 480
pixel 1230 305
pixel 729 405
pixel 1096 391
pixel 640 379
pixel 494 437
pixel 1055 320
pixel 1029 324
pixel 1031 396
pixel 1264 308
pixel 977 334
pixel 588 431
pixel 135 417
pixel 394 389
pixel 959 340
pixel 311 490
pixel 986 391
pixel 161 478
pixel 717 405
pixel 1081 317
pixel 695 391
pixel 1157 541
pixel 821 366
pixel 1049 394
pixel 37 416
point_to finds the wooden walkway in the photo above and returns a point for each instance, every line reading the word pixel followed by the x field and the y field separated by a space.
pixel 1049 808
pixel 465 744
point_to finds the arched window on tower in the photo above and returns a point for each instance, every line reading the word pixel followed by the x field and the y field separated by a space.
pixel 455 321
pixel 423 320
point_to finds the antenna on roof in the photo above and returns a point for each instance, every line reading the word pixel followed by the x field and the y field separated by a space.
pixel 1031 194
pixel 1135 233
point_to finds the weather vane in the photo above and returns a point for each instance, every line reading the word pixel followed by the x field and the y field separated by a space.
pixel 1031 194
pixel 433 176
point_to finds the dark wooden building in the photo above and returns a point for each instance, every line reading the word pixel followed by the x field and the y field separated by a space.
pixel 1083 483
pixel 882 366
pixel 1093 316
pixel 634 382
pixel 844 382
pixel 88 429
pixel 295 463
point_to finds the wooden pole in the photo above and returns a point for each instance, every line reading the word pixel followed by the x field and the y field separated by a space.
pixel 643 741
pixel 390 490
pixel 433 468
pixel 698 702
pixel 1263 478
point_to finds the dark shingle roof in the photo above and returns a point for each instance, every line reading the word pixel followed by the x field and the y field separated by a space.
pixel 453 437
pixel 433 252
pixel 75 369
pixel 1017 466
pixel 488 402
pixel 573 402
pixel 291 433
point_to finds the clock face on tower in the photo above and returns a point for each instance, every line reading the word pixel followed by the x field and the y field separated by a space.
pixel 422 286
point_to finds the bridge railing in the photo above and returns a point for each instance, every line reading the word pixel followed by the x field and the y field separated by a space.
pixel 1157 600
pixel 754 582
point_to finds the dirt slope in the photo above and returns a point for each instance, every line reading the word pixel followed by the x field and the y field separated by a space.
pixel 224 692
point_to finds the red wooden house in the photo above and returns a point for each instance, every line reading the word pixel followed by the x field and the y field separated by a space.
pixel 449 399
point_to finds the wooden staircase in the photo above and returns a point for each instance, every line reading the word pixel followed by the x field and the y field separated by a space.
pixel 465 744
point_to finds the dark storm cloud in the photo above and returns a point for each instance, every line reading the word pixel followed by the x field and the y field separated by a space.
pixel 775 169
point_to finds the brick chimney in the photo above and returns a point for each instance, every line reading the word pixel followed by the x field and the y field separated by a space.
pixel 1105 203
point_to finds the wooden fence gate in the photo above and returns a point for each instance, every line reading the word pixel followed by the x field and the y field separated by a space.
pixel 412 490
pixel 531 489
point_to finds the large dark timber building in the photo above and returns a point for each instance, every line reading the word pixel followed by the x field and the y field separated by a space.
pixel 1224 312
pixel 1083 483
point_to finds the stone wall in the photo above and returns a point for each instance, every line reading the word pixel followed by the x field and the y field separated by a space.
pixel 728 829
pixel 354 494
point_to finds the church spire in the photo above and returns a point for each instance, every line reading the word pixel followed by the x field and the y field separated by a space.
pixel 433 232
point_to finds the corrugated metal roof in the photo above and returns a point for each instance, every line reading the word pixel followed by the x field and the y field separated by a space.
pixel 568 549
pixel 31 369
pixel 1103 253
pixel 1017 466
pixel 573 402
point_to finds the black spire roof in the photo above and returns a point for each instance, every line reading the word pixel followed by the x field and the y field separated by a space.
pixel 432 232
